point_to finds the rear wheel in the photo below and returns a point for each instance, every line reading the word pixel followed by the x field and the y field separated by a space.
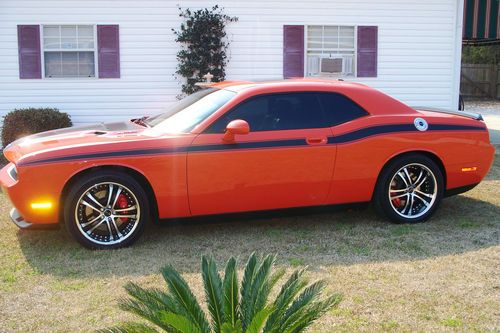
pixel 409 189
pixel 106 210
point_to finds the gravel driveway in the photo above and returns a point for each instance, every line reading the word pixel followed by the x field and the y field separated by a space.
pixel 491 114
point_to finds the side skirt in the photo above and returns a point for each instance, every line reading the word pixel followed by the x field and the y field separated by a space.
pixel 282 212
pixel 458 190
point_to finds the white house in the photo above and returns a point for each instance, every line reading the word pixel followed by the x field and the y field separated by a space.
pixel 103 60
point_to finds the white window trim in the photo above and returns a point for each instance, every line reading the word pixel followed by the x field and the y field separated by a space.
pixel 95 50
pixel 355 67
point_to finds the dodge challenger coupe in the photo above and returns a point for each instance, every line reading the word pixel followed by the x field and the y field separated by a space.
pixel 240 147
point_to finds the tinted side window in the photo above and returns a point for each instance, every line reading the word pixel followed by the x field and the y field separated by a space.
pixel 284 111
pixel 340 109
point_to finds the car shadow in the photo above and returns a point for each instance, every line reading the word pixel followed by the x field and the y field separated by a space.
pixel 311 237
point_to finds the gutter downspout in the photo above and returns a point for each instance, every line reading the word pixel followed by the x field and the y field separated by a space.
pixel 457 61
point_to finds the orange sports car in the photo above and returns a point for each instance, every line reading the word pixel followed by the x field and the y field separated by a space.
pixel 243 146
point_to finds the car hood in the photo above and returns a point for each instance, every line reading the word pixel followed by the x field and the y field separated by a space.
pixel 72 137
pixel 71 131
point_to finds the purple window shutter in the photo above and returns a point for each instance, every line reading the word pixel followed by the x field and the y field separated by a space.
pixel 367 51
pixel 108 47
pixel 293 51
pixel 30 63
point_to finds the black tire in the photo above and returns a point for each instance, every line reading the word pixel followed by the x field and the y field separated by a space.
pixel 391 185
pixel 122 231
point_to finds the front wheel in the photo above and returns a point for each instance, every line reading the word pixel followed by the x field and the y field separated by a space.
pixel 409 189
pixel 106 210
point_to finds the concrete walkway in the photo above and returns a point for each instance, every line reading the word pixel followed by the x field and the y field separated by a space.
pixel 491 114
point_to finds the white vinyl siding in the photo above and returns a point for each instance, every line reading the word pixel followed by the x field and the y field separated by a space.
pixel 418 50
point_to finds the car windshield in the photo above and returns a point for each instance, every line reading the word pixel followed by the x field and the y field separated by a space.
pixel 184 115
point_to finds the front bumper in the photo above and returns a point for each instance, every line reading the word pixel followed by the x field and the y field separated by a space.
pixel 35 187
pixel 19 220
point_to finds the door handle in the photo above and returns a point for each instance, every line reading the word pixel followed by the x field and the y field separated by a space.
pixel 317 141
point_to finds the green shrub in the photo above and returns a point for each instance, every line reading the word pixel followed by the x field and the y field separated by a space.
pixel 204 46
pixel 233 306
pixel 23 122
pixel 487 54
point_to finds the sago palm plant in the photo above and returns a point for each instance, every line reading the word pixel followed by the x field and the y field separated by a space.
pixel 232 308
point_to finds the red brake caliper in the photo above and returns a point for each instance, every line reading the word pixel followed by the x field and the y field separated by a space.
pixel 396 202
pixel 122 202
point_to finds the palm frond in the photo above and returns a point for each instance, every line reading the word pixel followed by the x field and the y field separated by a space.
pixel 154 298
pixel 183 295
pixel 300 305
pixel 308 295
pixel 233 308
pixel 180 323
pixel 231 297
pixel 229 328
pixel 129 327
pixel 259 319
pixel 288 291
pixel 263 294
pixel 258 283
pixel 145 311
pixel 213 291
pixel 313 312
pixel 246 288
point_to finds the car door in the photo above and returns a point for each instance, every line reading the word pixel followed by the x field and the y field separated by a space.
pixel 285 160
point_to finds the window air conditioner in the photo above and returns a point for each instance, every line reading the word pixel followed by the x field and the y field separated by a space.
pixel 332 65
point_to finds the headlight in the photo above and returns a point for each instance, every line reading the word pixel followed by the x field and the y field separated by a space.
pixel 12 171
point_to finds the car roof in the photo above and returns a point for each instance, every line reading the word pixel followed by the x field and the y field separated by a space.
pixel 372 100
pixel 238 86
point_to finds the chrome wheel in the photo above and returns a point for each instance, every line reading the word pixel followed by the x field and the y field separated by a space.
pixel 413 190
pixel 107 213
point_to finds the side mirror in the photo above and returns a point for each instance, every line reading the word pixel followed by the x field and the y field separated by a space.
pixel 237 126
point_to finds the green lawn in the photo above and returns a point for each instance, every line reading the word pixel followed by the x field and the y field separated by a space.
pixel 442 275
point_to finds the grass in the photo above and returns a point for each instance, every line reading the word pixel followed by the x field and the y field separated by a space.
pixel 438 276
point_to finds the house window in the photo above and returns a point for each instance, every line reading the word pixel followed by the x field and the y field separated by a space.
pixel 69 51
pixel 330 50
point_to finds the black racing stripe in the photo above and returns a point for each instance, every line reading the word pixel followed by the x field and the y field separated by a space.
pixel 343 138
pixel 173 150
pixel 123 153
pixel 384 129
pixel 370 131
pixel 249 145
pixel 446 127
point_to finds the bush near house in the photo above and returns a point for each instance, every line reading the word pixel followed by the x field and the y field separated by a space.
pixel 23 122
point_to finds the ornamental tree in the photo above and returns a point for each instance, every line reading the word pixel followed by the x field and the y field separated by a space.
pixel 204 44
